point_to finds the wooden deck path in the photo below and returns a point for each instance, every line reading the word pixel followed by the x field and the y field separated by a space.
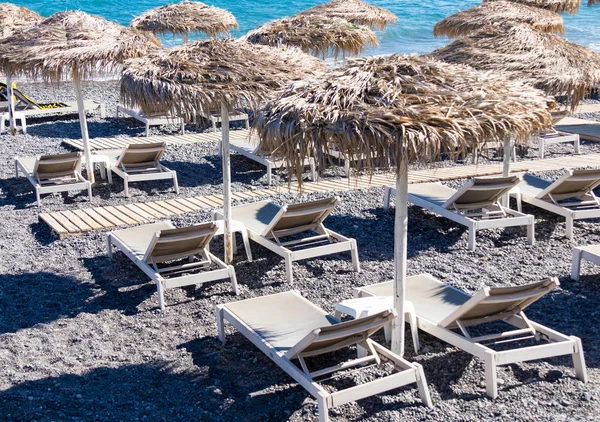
pixel 118 142
pixel 72 222
pixel 586 129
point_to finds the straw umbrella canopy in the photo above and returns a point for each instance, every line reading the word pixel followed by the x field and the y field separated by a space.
pixel 73 44
pixel 315 34
pixel 546 61
pixel 195 77
pixel 355 11
pixel 558 6
pixel 495 13
pixel 399 109
pixel 185 17
pixel 14 18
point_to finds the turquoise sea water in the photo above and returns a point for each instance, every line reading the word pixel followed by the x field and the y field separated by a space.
pixel 412 33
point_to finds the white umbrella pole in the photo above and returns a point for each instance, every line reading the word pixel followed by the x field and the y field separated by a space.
pixel 400 247
pixel 228 240
pixel 185 37
pixel 11 104
pixel 84 129
pixel 506 166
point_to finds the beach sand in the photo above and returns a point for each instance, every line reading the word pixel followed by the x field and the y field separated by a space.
pixel 81 337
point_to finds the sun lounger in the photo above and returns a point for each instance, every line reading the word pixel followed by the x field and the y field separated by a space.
pixel 172 257
pixel 148 120
pixel 214 116
pixel 590 253
pixel 53 173
pixel 268 224
pixel 476 205
pixel 554 137
pixel 140 162
pixel 571 196
pixel 249 148
pixel 445 312
pixel 287 327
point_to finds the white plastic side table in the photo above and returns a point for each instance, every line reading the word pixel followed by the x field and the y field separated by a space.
pixel 236 226
pixel 103 161
pixel 364 306
pixel 18 116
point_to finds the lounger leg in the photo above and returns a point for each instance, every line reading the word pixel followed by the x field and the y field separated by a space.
pixel 414 330
pixel 220 323
pixel 182 126
pixel 220 148
pixel 24 125
pixel 147 128
pixel 569 223
pixel 269 177
pixel 347 166
pixel 542 147
pixel 1 124
pixel 576 264
pixel 519 202
pixel 102 110
pixel 531 232
pixel 422 386
pixel 233 280
pixel 323 408
pixel 16 165
pixel 38 199
pixel 175 184
pixel 247 245
pixel 313 170
pixel 102 170
pixel 472 241
pixel 354 252
pixel 288 269
pixel 491 379
pixel 234 245
pixel 577 145
pixel 386 198
pixel 109 174
pixel 90 191
pixel 579 360
pixel 126 186
pixel 109 252
pixel 161 294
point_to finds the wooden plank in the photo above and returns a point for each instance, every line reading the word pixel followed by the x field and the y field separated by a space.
pixel 131 214
pixel 123 217
pixel 78 222
pixel 198 203
pixel 88 220
pixel 182 208
pixel 134 208
pixel 218 200
pixel 208 203
pixel 66 223
pixel 168 207
pixel 98 218
pixel 154 213
pixel 189 204
pixel 109 216
pixel 157 208
pixel 54 225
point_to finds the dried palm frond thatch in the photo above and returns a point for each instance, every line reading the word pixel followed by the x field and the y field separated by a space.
pixel 316 35
pixel 15 18
pixel 196 77
pixel 496 13
pixel 558 6
pixel 184 17
pixel 68 41
pixel 546 61
pixel 399 108
pixel 355 11
pixel 591 2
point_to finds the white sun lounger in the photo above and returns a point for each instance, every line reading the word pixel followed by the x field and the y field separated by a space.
pixel 148 120
pixel 590 253
pixel 184 249
pixel 248 147
pixel 570 196
pixel 286 327
pixel 445 312
pixel 475 205
pixel 53 173
pixel 555 137
pixel 268 224
pixel 214 116
pixel 140 162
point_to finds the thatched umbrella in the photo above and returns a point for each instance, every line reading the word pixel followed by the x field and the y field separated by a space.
pixel 185 17
pixel 548 62
pixel 396 110
pixel 495 13
pixel 14 18
pixel 315 34
pixel 355 11
pixel 558 6
pixel 75 44
pixel 193 78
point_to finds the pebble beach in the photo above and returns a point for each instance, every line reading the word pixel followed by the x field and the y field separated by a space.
pixel 81 337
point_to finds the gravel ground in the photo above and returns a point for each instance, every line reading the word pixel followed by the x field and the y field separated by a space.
pixel 81 337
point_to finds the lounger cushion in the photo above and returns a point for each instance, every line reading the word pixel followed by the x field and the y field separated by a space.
pixel 28 163
pixel 255 216
pixel 436 193
pixel 282 319
pixel 593 249
pixel 138 238
pixel 532 185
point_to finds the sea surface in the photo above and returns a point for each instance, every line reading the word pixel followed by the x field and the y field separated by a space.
pixel 412 34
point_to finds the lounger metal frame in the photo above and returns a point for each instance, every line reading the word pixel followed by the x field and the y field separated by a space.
pixel 60 184
pixel 556 137
pixel 326 242
pixel 408 372
pixel 151 171
pixel 579 254
pixel 152 120
pixel 167 278
pixel 491 217
pixel 558 343
pixel 588 207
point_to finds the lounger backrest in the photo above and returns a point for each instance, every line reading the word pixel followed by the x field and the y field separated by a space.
pixel 56 166
pixel 173 244
pixel 574 184
pixel 297 218
pixel 336 336
pixel 141 155
pixel 481 191
pixel 492 304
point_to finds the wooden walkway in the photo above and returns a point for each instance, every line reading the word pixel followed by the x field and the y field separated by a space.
pixel 586 129
pixel 79 221
pixel 119 142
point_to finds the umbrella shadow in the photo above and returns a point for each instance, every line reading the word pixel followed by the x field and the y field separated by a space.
pixel 70 129
pixel 19 193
